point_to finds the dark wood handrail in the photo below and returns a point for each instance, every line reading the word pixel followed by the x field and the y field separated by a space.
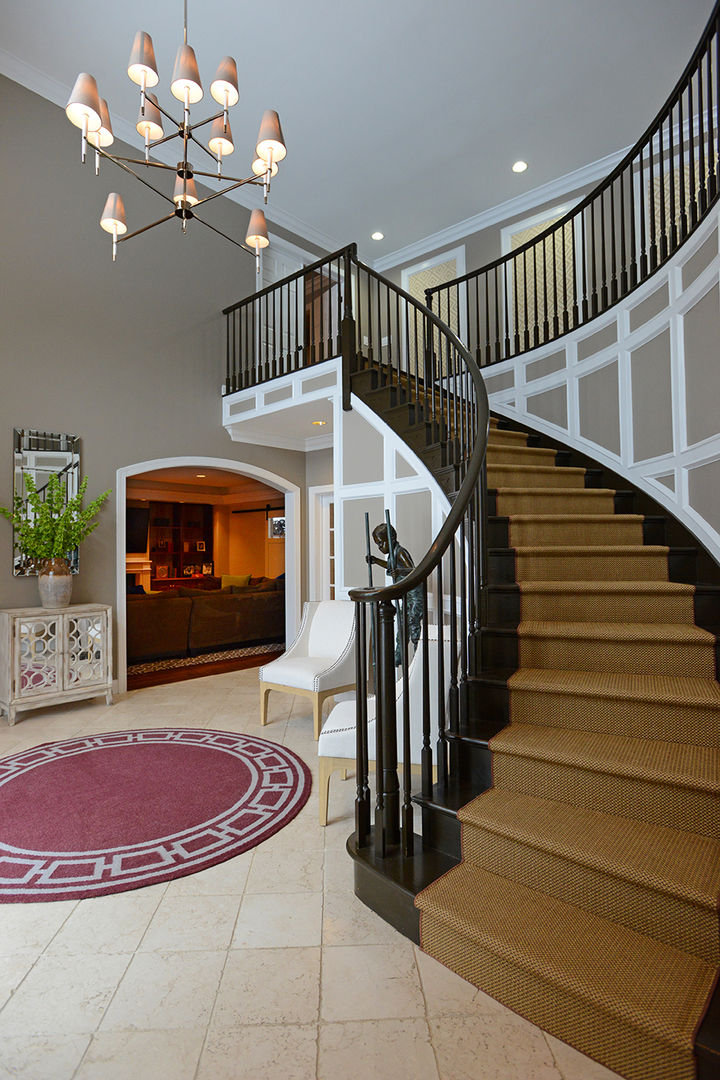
pixel 604 285
pixel 440 544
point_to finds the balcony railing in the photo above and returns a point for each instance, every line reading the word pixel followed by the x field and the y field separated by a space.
pixel 612 241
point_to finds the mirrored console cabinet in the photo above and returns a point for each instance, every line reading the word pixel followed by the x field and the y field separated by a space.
pixel 49 657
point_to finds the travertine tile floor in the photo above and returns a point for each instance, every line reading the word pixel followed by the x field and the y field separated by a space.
pixel 265 967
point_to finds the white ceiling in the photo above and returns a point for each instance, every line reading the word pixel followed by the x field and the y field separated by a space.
pixel 403 116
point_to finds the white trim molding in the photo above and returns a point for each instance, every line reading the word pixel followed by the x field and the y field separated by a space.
pixel 615 432
pixel 592 173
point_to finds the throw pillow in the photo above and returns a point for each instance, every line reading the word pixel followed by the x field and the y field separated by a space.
pixel 234 579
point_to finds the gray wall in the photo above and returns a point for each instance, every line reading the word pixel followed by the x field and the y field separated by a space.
pixel 129 356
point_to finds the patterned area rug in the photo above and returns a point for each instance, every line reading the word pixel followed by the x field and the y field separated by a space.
pixel 205 658
pixel 90 816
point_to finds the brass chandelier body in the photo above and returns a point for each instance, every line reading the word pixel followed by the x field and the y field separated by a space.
pixel 88 111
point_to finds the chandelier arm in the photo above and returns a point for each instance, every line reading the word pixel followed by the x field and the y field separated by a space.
pixel 141 161
pixel 201 123
pixel 231 187
pixel 202 147
pixel 167 138
pixel 129 236
pixel 126 168
pixel 224 236
pixel 168 115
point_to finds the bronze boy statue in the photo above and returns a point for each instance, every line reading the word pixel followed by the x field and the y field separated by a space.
pixel 399 565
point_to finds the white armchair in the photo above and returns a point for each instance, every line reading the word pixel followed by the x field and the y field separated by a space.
pixel 336 746
pixel 321 660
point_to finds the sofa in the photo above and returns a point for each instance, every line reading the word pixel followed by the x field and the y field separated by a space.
pixel 190 622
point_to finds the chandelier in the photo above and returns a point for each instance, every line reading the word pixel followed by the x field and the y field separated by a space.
pixel 89 112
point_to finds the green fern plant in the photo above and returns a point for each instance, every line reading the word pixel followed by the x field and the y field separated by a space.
pixel 54 526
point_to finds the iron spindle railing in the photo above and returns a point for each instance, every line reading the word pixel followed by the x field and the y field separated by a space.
pixel 612 241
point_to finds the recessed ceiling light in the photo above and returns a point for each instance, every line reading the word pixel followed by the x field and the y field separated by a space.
pixel 377 236
pixel 519 166
pixel 201 475
pixel 319 423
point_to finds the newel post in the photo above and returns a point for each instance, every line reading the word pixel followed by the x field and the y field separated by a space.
pixel 347 329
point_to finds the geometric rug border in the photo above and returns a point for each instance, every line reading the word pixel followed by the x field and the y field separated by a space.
pixel 283 785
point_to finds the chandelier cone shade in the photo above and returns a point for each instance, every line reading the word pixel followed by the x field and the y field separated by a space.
pixel 270 144
pixel 186 76
pixel 185 193
pixel 83 106
pixel 221 141
pixel 104 135
pixel 112 219
pixel 142 67
pixel 257 234
pixel 224 87
pixel 150 120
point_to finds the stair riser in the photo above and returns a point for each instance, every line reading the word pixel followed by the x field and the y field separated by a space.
pixel 613 716
pixel 499 477
pixel 521 455
pixel 678 808
pixel 580 501
pixel 441 831
pixel 670 919
pixel 504 567
pixel 603 607
pixel 650 531
pixel 554 1008
pixel 585 566
pixel 633 658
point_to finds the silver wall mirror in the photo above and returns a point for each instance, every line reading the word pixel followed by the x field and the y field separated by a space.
pixel 42 454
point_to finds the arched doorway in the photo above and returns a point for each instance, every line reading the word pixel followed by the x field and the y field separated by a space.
pixel 291 494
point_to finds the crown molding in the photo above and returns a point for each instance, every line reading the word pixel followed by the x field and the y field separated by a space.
pixel 58 93
pixel 505 211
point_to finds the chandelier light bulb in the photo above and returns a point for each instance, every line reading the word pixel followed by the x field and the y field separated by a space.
pixel 271 144
pixel 142 67
pixel 224 87
pixel 186 85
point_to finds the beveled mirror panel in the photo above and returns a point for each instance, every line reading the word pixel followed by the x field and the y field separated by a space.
pixel 42 454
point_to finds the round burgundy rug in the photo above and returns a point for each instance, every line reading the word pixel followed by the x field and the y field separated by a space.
pixel 96 815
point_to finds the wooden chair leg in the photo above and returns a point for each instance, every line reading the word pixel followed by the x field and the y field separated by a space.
pixel 317 714
pixel 264 692
pixel 324 772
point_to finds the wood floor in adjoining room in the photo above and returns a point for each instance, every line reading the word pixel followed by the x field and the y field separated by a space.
pixel 265 966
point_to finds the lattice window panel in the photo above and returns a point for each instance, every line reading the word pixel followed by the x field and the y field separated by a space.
pixel 446 307
pixel 39 661
pixel 85 661
pixel 540 276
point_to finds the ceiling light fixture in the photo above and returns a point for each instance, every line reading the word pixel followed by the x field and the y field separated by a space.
pixel 88 111
pixel 377 236
pixel 200 475
pixel 319 423
pixel 519 166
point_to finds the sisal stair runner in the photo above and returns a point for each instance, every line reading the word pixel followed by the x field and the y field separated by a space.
pixel 587 896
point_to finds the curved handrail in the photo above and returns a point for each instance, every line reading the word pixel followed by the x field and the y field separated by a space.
pixel 440 544
pixel 615 227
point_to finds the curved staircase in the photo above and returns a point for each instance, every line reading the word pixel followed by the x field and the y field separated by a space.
pixel 587 894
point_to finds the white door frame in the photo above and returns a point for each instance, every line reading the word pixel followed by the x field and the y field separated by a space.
pixel 319 498
pixel 292 539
